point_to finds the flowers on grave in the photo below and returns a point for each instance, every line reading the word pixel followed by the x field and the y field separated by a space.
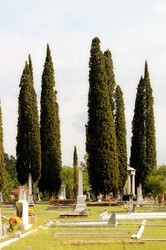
pixel 14 223
pixel 30 212
pixel 15 220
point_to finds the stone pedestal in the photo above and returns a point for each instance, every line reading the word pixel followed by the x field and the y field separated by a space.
pixel 80 203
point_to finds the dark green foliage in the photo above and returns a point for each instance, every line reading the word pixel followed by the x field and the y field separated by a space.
pixel 50 131
pixel 110 78
pixel 138 140
pixel 75 165
pixel 28 147
pixel 2 164
pixel 151 162
pixel 143 145
pixel 120 126
pixel 101 142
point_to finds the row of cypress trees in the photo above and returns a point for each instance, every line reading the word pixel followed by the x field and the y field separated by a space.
pixel 106 127
pixel 38 145
pixel 38 149
pixel 143 141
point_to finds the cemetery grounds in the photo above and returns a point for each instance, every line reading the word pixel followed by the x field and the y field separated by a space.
pixel 57 237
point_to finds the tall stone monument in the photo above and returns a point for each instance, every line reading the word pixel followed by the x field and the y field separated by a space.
pixel 30 195
pixel 80 206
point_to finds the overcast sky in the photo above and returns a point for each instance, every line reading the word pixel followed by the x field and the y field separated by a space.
pixel 133 30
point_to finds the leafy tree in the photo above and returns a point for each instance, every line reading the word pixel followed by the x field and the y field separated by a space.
pixel 2 164
pixel 143 145
pixel 67 178
pixel 28 148
pixel 75 165
pixel 120 127
pixel 10 165
pixel 155 183
pixel 101 144
pixel 50 131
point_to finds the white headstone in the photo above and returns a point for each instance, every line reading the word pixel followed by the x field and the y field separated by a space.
pixel 63 192
pixel 22 208
pixel 139 195
pixel 1 197
pixel 80 206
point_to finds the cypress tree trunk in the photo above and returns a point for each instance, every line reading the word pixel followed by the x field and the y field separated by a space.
pixel 50 131
pixel 101 144
pixel 120 126
pixel 28 147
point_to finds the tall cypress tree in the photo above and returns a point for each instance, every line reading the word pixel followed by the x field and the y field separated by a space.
pixel 101 142
pixel 50 131
pixel 143 145
pixel 120 126
pixel 110 78
pixel 75 165
pixel 151 162
pixel 138 140
pixel 2 163
pixel 28 147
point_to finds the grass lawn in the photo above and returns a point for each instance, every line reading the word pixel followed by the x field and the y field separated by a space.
pixel 87 238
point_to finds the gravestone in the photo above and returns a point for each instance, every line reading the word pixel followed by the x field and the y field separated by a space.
pixel 139 195
pixel 112 220
pixel 0 224
pixel 1 197
pixel 80 206
pixel 22 208
pixel 30 194
pixel 88 196
pixel 130 206
pixel 38 195
pixel 63 192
